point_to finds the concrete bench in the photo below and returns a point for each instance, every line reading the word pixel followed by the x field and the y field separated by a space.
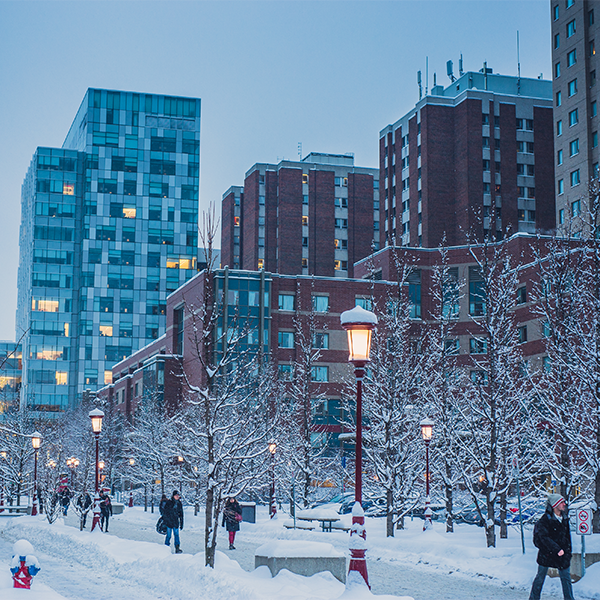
pixel 302 558
pixel 590 559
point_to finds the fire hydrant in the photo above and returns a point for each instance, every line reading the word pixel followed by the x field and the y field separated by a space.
pixel 24 565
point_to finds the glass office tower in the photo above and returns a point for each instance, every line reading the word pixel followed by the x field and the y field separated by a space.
pixel 109 227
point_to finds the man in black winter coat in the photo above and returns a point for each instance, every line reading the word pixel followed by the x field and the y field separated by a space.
pixel 173 518
pixel 553 538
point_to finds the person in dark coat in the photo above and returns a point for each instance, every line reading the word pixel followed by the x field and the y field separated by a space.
pixel 232 515
pixel 173 517
pixel 552 536
pixel 105 511
pixel 84 502
pixel 65 500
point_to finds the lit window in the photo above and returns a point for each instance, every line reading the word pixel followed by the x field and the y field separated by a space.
pixel 61 377
pixel 129 212
pixel 107 377
pixel 45 354
pixel 261 263
pixel 106 330
pixel 304 177
pixel 236 221
pixel 336 244
pixel 305 263
pixel 337 265
pixel 186 263
pixel 68 189
pixel 66 330
pixel 304 220
pixel 172 263
pixel 45 305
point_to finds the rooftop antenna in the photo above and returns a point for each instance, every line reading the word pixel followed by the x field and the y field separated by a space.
pixel 450 71
pixel 434 79
pixel 460 65
pixel 518 66
pixel 419 84
pixel 300 150
pixel 426 74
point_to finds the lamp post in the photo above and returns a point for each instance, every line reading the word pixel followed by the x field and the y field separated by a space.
pixel 427 434
pixel 358 323
pixel 72 463
pixel 131 463
pixel 180 462
pixel 36 442
pixel 3 455
pixel 96 416
pixel 272 505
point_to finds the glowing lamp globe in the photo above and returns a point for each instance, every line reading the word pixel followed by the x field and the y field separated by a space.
pixel 427 429
pixel 359 323
pixel 96 416
pixel 36 440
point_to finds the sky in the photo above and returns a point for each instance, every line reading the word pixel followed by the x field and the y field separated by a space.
pixel 327 74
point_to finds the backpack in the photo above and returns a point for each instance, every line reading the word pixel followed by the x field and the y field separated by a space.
pixel 161 528
pixel 536 534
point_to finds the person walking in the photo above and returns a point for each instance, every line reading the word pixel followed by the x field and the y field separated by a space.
pixel 232 516
pixel 105 511
pixel 84 502
pixel 161 506
pixel 172 514
pixel 552 537
pixel 65 500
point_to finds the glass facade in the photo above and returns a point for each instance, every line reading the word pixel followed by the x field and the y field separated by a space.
pixel 10 375
pixel 109 227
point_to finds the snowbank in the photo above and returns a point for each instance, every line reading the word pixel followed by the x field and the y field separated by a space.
pixel 297 549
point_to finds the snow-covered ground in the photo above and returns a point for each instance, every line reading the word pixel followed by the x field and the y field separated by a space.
pixel 131 562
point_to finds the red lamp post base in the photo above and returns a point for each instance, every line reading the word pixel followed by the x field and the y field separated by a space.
pixel 34 507
pixel 357 571
pixel 130 499
pixel 96 519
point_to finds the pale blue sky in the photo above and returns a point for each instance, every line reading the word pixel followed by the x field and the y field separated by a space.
pixel 270 74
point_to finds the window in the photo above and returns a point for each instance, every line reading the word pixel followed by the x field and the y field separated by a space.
pixel 561 186
pixel 571 28
pixel 592 48
pixel 286 301
pixel 594 108
pixel 572 87
pixel 594 139
pixel 558 98
pixel 320 341
pixel 486 165
pixel 557 41
pixel 305 242
pixel 341 223
pixel 61 377
pixel 593 77
pixel 178 329
pixel 555 12
pixel 319 373
pixel 304 177
pixel 479 377
pixel 572 58
pixel 575 179
pixel 320 303
pixel 573 117
pixel 522 295
pixel 477 294
pixel 340 265
pixel 561 216
pixel 557 70
pixel 522 334
pixel 574 147
pixel 477 346
pixel 485 141
pixel 285 339
pixel 485 119
pixel 569 3
pixel 558 131
pixel 304 220
pixel 106 330
pixel 414 294
pixel 559 157
pixel 365 303
pixel 591 17
pixel 285 372
pixel 576 208
pixel 452 346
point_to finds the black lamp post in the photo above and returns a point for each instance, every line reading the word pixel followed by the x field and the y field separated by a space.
pixel 272 504
pixel 427 434
pixel 359 323
pixel 36 442
pixel 3 455
pixel 96 416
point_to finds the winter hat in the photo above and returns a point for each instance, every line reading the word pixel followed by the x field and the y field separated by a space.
pixel 555 499
pixel 176 493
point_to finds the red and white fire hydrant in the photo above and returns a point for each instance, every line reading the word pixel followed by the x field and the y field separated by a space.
pixel 24 565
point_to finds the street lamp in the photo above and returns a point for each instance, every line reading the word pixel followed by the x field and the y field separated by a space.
pixel 427 434
pixel 272 505
pixel 180 462
pixel 3 454
pixel 358 323
pixel 131 463
pixel 96 416
pixel 36 442
pixel 72 463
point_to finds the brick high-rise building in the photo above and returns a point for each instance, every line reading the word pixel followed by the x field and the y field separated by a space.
pixel 473 159
pixel 317 216
pixel 574 29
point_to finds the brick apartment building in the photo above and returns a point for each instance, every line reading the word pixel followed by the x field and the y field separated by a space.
pixel 574 63
pixel 272 304
pixel 317 216
pixel 472 159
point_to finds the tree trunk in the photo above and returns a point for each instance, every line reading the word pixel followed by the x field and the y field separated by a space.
pixel 209 549
pixel 596 517
pixel 503 527
pixel 400 523
pixel 490 527
pixel 389 526
pixel 449 500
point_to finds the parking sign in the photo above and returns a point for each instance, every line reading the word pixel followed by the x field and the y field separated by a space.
pixel 583 521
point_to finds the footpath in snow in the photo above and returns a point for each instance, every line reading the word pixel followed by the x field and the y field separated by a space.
pixel 134 564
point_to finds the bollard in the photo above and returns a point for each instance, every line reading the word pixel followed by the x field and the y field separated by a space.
pixel 24 565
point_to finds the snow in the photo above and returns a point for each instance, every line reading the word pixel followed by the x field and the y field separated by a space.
pixel 297 549
pixel 358 315
pixel 427 565
pixel 317 513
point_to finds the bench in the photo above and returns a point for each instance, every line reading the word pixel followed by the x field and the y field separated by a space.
pixel 326 518
pixel 14 510
pixel 289 524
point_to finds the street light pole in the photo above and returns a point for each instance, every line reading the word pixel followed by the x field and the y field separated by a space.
pixel 96 416
pixel 4 455
pixel 131 463
pixel 359 324
pixel 427 434
pixel 272 504
pixel 36 441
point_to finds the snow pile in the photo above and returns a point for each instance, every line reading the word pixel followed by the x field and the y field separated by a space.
pixel 152 566
pixel 297 549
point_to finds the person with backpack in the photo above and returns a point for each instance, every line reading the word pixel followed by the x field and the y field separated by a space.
pixel 232 515
pixel 173 518
pixel 552 537
pixel 106 511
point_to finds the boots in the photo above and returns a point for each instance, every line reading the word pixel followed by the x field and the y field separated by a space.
pixel 178 550
pixel 231 546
